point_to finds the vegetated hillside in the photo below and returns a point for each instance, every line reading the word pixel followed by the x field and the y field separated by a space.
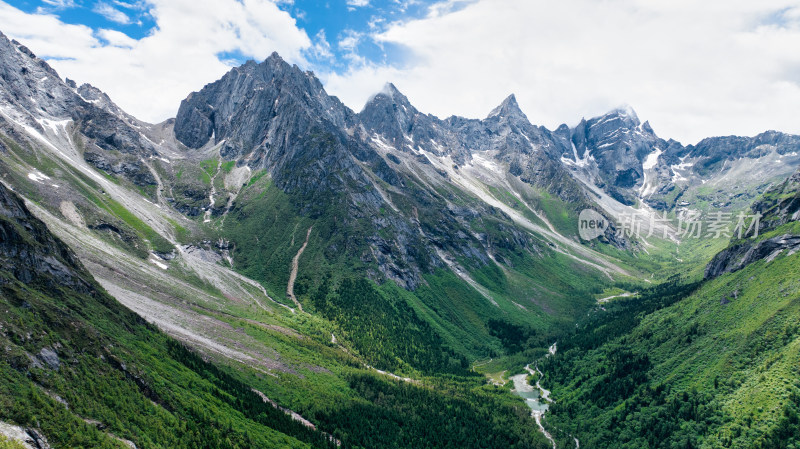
pixel 712 364
pixel 86 372
pixel 82 371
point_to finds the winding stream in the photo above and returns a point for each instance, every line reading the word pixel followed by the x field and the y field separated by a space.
pixel 536 397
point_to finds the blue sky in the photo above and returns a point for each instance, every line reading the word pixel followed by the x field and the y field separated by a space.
pixel 131 18
pixel 343 21
pixel 343 25
pixel 693 69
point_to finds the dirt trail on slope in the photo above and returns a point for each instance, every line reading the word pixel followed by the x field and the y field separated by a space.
pixel 293 274
pixel 621 295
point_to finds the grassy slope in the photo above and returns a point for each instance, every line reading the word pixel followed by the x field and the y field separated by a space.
pixel 728 352
pixel 144 387
pixel 117 370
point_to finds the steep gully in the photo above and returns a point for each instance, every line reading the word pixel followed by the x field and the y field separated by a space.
pixel 293 274
pixel 210 209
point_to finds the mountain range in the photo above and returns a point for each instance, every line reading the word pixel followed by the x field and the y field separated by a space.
pixel 320 276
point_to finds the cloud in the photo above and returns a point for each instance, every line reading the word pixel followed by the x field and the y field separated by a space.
pixel 115 38
pixel 111 13
pixel 348 43
pixel 60 4
pixel 358 3
pixel 693 69
pixel 149 77
pixel 135 5
pixel 50 6
pixel 321 50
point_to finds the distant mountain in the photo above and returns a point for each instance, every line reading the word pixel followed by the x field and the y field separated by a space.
pixel 626 158
pixel 617 145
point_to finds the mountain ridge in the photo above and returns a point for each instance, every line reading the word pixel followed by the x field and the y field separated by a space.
pixel 619 159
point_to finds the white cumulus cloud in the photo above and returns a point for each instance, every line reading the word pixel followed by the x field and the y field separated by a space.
pixel 61 4
pixel 149 77
pixel 693 69
pixel 111 13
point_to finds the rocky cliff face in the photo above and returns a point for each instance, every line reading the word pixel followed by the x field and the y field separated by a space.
pixel 31 253
pixel 32 86
pixel 778 207
pixel 740 255
pixel 273 116
pixel 619 146
pixel 33 94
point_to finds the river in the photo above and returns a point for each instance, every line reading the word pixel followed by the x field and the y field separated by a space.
pixel 536 397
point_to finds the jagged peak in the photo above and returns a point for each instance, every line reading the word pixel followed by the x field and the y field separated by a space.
pixel 275 62
pixel 272 67
pixel 90 88
pixel 391 92
pixel 274 57
pixel 625 112
pixel 92 94
pixel 509 107
pixel 272 62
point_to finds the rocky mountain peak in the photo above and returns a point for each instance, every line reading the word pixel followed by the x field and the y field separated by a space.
pixel 274 58
pixel 29 86
pixel 33 95
pixel 238 107
pixel 389 95
pixel 619 143
pixel 91 94
pixel 391 90
pixel 389 114
pixel 619 117
pixel 508 108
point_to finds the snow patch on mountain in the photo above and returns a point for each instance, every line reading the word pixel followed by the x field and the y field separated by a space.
pixel 650 181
